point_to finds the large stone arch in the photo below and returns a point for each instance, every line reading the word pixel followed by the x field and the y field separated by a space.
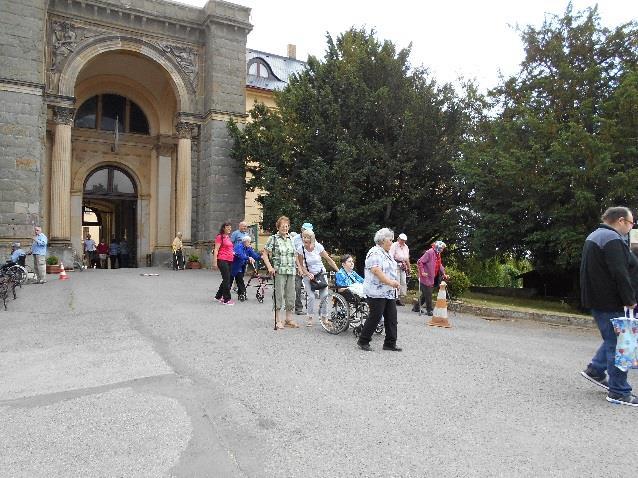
pixel 184 90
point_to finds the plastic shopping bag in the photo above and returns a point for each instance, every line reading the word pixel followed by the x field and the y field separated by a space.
pixel 626 329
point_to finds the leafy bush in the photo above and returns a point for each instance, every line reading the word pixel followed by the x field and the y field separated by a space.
pixel 457 284
pixel 52 260
pixel 496 272
pixel 193 258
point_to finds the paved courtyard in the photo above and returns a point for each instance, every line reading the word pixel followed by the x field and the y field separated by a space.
pixel 115 374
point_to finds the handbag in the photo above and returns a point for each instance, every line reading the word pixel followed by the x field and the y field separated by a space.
pixel 626 329
pixel 318 281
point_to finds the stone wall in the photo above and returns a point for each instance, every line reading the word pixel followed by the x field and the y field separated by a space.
pixel 22 117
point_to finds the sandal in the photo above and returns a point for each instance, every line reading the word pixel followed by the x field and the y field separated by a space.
pixel 291 324
pixel 279 326
pixel 309 322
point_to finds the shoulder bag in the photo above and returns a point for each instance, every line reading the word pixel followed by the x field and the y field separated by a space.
pixel 318 282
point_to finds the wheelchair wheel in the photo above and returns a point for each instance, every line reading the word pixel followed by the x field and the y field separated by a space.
pixel 357 330
pixel 19 273
pixel 335 308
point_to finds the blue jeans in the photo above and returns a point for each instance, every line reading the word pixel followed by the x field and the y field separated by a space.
pixel 604 358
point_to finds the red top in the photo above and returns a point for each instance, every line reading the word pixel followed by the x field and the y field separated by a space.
pixel 226 252
pixel 437 263
pixel 102 248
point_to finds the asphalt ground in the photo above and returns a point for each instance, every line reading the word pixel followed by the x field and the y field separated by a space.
pixel 114 374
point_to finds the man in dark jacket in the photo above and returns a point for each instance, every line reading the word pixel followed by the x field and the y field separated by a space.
pixel 606 271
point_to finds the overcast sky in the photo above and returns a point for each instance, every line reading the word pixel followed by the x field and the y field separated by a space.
pixel 469 38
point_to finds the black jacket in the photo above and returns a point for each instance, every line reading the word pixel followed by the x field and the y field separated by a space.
pixel 607 268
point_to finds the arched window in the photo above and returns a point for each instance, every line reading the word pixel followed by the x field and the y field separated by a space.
pixel 103 111
pixel 110 181
pixel 258 67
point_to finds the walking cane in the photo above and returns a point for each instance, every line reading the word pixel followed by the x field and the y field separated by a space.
pixel 274 298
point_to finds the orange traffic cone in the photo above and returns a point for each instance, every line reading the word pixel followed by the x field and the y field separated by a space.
pixel 440 309
pixel 63 275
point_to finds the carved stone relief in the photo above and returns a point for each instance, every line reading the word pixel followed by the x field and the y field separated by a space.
pixel 65 37
pixel 185 57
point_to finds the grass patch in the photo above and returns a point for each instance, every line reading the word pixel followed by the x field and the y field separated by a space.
pixel 515 303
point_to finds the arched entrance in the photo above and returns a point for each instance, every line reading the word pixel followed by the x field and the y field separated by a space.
pixel 109 208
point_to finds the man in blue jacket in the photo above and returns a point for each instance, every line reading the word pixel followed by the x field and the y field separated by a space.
pixel 606 271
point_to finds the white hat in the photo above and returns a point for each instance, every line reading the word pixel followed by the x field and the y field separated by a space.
pixel 403 236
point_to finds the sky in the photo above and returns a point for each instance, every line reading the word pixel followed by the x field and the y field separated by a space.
pixel 473 39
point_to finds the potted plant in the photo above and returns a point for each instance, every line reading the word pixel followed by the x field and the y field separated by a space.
pixel 53 265
pixel 193 262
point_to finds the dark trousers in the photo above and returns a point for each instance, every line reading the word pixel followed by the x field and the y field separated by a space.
pixel 123 260
pixel 298 286
pixel 426 297
pixel 241 286
pixel 91 258
pixel 224 288
pixel 178 260
pixel 386 308
pixel 113 262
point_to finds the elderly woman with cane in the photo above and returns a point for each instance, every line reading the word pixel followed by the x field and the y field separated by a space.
pixel 281 250
pixel 380 286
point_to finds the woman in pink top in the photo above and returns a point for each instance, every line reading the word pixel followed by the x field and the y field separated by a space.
pixel 223 256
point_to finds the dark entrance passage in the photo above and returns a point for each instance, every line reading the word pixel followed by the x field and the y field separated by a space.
pixel 109 208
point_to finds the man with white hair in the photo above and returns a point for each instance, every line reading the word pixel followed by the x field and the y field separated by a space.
pixel 238 234
pixel 39 251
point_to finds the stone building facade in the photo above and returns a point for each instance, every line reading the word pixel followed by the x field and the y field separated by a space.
pixel 113 114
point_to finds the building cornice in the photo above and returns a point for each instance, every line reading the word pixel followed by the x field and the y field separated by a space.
pixel 129 18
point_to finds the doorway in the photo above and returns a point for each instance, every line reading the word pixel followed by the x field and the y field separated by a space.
pixel 109 209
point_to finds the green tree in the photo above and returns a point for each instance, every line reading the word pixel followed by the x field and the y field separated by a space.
pixel 360 141
pixel 557 146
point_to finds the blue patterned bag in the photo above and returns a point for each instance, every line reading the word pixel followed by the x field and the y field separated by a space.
pixel 626 329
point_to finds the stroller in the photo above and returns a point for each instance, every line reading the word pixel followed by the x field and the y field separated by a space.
pixel 260 281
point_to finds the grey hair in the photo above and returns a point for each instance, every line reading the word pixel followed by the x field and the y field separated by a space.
pixel 383 234
pixel 309 234
pixel 613 214
pixel 246 238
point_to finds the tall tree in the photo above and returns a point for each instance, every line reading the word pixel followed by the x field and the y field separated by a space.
pixel 556 149
pixel 360 140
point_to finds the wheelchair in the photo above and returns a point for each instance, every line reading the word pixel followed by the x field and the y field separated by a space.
pixel 344 310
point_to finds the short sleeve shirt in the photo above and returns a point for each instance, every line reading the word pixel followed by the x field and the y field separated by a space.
pixel 282 251
pixel 89 245
pixel 226 251
pixel 372 286
pixel 312 258
pixel 400 254
pixel 237 236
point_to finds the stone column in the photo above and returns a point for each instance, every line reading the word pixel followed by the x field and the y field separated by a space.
pixel 184 196
pixel 60 226
pixel 163 196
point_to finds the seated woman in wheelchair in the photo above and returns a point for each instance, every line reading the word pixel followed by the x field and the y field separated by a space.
pixel 17 256
pixel 346 277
